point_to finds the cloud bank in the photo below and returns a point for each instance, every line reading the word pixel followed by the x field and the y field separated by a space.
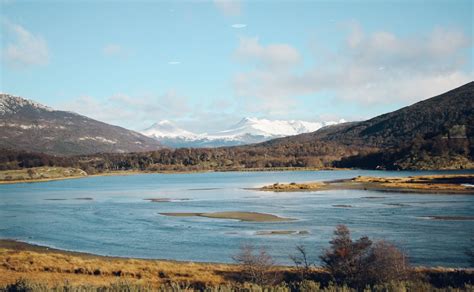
pixel 371 68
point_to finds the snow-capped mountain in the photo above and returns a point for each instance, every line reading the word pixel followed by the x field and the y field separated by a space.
pixel 247 131
pixel 166 129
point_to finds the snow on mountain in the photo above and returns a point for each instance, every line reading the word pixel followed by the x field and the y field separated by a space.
pixel 247 131
pixel 10 104
pixel 166 129
pixel 270 128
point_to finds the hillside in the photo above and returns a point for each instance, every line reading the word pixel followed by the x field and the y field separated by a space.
pixel 434 133
pixel 30 126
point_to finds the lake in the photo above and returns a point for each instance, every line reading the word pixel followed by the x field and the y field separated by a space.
pixel 110 215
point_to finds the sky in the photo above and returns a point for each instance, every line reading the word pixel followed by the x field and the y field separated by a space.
pixel 207 64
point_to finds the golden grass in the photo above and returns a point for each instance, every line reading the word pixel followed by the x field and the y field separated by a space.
pixel 449 183
pixel 55 268
pixel 291 187
pixel 437 183
pixel 234 215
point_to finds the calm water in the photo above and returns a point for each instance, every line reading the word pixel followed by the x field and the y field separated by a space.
pixel 118 221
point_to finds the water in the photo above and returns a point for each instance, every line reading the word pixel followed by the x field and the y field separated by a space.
pixel 119 222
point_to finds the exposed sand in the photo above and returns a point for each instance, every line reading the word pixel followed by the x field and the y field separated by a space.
pixel 234 215
pixel 282 232
pixel 449 218
pixel 165 200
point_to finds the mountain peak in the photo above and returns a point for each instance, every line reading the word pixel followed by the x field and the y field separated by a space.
pixel 11 104
pixel 248 130
pixel 167 129
pixel 31 126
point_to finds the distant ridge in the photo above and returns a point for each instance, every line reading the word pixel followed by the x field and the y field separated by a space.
pixel 436 133
pixel 28 125
pixel 247 131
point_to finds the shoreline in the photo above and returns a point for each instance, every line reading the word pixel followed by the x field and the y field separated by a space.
pixel 137 172
pixel 23 246
pixel 52 267
pixel 451 184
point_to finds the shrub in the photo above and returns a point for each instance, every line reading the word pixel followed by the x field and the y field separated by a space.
pixel 360 263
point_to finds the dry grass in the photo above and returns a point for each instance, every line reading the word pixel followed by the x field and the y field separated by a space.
pixel 54 269
pixel 233 215
pixel 455 184
pixel 291 187
pixel 437 183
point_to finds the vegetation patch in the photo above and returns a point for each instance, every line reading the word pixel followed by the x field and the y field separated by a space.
pixel 39 174
pixel 292 187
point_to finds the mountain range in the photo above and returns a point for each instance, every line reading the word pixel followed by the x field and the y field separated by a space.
pixel 247 131
pixel 27 125
pixel 436 133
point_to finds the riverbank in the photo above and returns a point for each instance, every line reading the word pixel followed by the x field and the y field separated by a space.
pixel 53 267
pixel 45 174
pixel 445 184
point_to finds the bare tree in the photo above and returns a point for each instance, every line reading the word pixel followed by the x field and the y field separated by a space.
pixel 302 262
pixel 257 266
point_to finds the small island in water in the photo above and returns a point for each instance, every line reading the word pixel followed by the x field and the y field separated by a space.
pixel 445 184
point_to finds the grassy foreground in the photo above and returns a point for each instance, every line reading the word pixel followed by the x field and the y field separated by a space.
pixel 25 267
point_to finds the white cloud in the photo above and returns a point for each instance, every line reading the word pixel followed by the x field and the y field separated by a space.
pixel 238 25
pixel 174 62
pixel 375 68
pixel 25 48
pixel 229 7
pixel 131 111
pixel 271 56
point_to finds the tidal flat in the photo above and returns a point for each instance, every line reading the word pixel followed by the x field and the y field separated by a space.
pixel 120 206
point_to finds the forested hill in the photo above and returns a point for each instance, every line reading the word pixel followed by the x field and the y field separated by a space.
pixel 449 114
pixel 436 133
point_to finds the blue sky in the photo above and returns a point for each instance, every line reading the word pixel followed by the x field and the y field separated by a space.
pixel 207 64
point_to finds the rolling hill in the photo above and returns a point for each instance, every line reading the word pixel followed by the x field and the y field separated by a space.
pixel 434 133
pixel 27 125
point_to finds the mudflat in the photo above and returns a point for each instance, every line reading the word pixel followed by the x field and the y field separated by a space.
pixel 234 215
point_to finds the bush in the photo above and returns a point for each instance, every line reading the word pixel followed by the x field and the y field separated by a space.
pixel 360 263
